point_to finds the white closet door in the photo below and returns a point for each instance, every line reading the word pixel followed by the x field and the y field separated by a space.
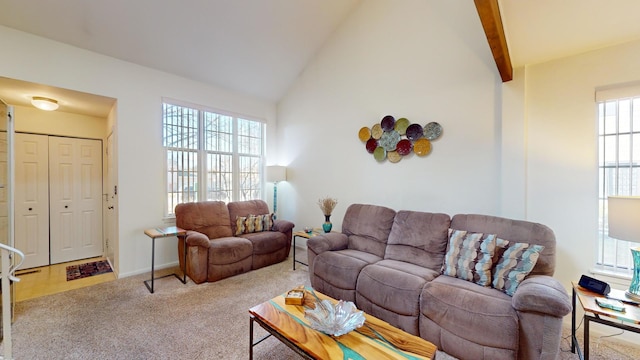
pixel 75 170
pixel 32 198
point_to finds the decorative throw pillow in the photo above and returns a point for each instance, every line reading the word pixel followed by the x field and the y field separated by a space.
pixel 263 222
pixel 253 223
pixel 469 256
pixel 516 262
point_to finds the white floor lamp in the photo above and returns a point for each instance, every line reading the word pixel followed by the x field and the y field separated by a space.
pixel 624 224
pixel 275 174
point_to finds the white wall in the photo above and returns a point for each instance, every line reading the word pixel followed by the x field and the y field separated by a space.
pixel 562 148
pixel 138 91
pixel 32 120
pixel 423 60
pixel 513 169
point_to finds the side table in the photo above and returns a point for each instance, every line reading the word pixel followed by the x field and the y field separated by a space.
pixel 162 232
pixel 595 313
pixel 305 235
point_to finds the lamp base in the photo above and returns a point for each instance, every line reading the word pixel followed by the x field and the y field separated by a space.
pixel 634 287
pixel 275 201
pixel 631 295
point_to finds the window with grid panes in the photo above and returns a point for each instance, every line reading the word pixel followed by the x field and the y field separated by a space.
pixel 618 168
pixel 211 156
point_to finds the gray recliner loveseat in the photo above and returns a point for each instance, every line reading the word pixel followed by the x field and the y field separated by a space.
pixel 391 265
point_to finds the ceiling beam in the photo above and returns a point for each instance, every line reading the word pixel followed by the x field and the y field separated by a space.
pixel 489 13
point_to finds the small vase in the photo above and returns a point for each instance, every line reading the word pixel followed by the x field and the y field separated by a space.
pixel 327 224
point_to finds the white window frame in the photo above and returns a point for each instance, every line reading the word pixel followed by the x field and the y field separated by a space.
pixel 200 184
pixel 618 117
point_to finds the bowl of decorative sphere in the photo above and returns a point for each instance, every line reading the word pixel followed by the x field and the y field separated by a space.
pixel 334 319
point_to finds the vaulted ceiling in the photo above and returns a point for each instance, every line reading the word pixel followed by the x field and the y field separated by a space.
pixel 258 47
pixel 255 47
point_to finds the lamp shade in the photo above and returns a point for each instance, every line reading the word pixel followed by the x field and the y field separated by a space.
pixel 276 173
pixel 624 217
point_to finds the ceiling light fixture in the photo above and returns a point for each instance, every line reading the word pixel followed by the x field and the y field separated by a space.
pixel 44 103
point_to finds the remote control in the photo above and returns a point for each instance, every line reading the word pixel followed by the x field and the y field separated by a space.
pixel 610 304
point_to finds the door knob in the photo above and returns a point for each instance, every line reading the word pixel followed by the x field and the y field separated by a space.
pixel 30 209
pixel 66 206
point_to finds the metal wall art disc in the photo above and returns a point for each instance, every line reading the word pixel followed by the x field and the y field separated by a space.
pixel 422 147
pixel 393 140
pixel 376 131
pixel 401 126
pixel 364 134
pixel 432 131
pixel 387 123
pixel 414 132
pixel 389 140
pixel 379 153
pixel 393 156
pixel 371 145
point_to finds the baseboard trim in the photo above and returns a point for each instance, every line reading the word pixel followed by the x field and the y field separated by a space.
pixel 148 271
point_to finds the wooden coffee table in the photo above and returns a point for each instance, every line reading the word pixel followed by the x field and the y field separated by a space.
pixel 376 339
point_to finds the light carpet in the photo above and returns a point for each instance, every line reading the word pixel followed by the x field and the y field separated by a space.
pixel 122 320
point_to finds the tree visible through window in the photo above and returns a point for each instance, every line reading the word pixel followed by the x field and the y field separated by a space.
pixel 618 172
pixel 211 156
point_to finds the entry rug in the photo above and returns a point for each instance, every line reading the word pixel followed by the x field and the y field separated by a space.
pixel 89 269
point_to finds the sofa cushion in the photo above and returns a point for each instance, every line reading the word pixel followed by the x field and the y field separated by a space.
pixel 470 256
pixel 419 238
pixel 416 270
pixel 229 250
pixel 368 227
pixel 390 290
pixel 266 242
pixel 515 263
pixel 481 317
pixel 514 230
pixel 336 272
pixel 269 247
pixel 208 217
pixel 228 256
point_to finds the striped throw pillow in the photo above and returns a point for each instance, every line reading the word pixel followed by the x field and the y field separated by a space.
pixel 516 262
pixel 469 256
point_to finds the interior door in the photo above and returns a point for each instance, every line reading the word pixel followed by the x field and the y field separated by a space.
pixel 32 198
pixel 75 170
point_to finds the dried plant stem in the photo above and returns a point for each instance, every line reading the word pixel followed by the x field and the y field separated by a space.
pixel 327 205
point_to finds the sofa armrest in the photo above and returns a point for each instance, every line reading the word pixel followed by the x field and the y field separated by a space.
pixel 282 226
pixel 195 238
pixel 328 242
pixel 543 294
